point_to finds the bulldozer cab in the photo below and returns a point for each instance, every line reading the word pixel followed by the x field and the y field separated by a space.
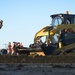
pixel 59 19
pixel 66 31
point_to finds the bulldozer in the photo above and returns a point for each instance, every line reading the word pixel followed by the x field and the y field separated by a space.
pixel 59 36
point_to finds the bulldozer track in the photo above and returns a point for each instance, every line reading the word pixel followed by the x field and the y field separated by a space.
pixel 67 48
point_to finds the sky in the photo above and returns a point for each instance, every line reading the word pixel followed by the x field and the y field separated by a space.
pixel 23 18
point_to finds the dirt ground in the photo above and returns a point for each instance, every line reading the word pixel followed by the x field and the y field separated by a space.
pixel 37 69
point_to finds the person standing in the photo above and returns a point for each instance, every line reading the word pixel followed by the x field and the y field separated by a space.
pixel 13 48
pixel 9 48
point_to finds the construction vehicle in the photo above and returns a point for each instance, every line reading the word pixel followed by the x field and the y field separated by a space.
pixel 59 36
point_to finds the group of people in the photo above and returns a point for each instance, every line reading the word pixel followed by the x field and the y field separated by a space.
pixel 12 48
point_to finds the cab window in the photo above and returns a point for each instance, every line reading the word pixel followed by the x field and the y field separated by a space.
pixel 56 21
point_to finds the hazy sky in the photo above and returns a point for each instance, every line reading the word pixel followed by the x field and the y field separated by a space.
pixel 23 18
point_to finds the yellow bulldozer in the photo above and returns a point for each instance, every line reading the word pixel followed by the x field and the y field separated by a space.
pixel 59 36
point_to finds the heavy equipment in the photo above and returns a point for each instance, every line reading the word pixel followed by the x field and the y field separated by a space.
pixel 59 36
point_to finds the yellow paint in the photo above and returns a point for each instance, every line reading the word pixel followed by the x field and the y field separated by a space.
pixel 60 44
pixel 37 53
pixel 51 32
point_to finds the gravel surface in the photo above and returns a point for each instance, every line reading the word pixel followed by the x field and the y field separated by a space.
pixel 37 69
